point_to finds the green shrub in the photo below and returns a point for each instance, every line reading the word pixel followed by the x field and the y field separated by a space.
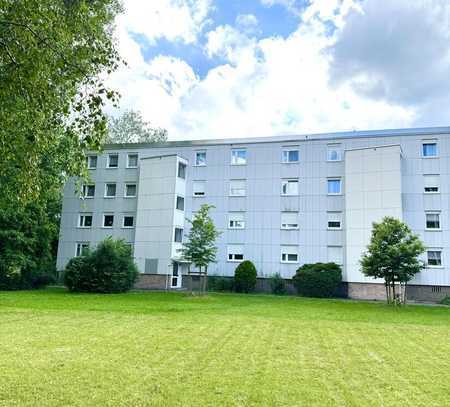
pixel 216 283
pixel 277 284
pixel 318 280
pixel 245 277
pixel 446 300
pixel 107 269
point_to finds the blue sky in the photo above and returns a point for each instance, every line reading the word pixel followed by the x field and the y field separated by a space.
pixel 230 68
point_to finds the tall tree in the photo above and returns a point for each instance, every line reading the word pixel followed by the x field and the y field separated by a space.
pixel 199 247
pixel 392 255
pixel 132 128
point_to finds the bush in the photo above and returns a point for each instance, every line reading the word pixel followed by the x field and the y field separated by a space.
pixel 245 277
pixel 108 269
pixel 318 280
pixel 446 300
pixel 277 284
pixel 216 283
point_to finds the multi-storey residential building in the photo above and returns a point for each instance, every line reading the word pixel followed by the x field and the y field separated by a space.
pixel 279 201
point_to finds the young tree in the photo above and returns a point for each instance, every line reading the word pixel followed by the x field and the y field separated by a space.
pixel 392 255
pixel 132 128
pixel 200 247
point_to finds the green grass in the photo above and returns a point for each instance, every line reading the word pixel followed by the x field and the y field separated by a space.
pixel 169 349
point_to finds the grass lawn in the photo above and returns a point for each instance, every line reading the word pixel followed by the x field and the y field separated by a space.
pixel 169 349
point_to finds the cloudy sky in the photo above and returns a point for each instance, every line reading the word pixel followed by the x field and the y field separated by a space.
pixel 249 68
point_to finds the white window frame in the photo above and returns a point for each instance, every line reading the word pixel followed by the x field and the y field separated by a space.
pixel 109 160
pixel 175 234
pixel 285 155
pixel 236 220
pixel 337 218
pixel 197 153
pixel 126 190
pixel 439 220
pixel 341 255
pixel 79 248
pixel 197 193
pixel 84 189
pixel 82 220
pixel 89 157
pixel 432 266
pixel 181 174
pixel 103 222
pixel 288 225
pixel 340 186
pixel 425 142
pixel 428 184
pixel 244 181
pixel 286 251
pixel 128 160
pixel 288 181
pixel 233 252
pixel 176 203
pixel 334 147
pixel 106 190
pixel 235 156
pixel 123 221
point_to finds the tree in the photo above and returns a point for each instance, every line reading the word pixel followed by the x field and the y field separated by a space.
pixel 245 277
pixel 392 255
pixel 53 56
pixel 199 248
pixel 132 128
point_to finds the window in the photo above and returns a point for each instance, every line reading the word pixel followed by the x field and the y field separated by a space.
pixel 334 220
pixel 236 220
pixel 132 160
pixel 429 149
pixel 289 187
pixel 81 248
pixel 237 187
pixel 434 258
pixel 433 220
pixel 128 221
pixel 235 252
pixel 88 191
pixel 130 190
pixel 181 170
pixel 290 155
pixel 113 160
pixel 334 152
pixel 200 158
pixel 198 188
pixel 289 220
pixel 85 220
pixel 180 203
pixel 289 254
pixel 335 254
pixel 334 186
pixel 431 184
pixel 110 190
pixel 108 221
pixel 238 156
pixel 91 162
pixel 178 236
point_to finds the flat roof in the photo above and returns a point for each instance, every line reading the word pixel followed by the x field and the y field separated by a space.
pixel 420 131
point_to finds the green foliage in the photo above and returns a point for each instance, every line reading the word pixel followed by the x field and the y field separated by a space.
pixel 53 54
pixel 318 280
pixel 277 284
pixel 245 277
pixel 132 128
pixel 446 300
pixel 107 269
pixel 216 283
pixel 392 254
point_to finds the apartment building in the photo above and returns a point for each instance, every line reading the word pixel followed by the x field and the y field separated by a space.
pixel 279 201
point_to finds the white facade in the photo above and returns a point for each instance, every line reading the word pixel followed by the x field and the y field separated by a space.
pixel 280 201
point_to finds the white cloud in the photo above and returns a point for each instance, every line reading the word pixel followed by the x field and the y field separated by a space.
pixel 246 20
pixel 307 82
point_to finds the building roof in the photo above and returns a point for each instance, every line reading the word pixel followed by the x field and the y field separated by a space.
pixel 420 131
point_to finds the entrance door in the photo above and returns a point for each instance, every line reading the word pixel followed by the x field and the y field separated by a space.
pixel 175 280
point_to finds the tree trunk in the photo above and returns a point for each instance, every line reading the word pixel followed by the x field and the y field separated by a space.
pixel 205 280
pixel 393 291
pixel 190 279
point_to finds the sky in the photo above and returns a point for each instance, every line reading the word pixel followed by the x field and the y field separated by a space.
pixel 207 69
